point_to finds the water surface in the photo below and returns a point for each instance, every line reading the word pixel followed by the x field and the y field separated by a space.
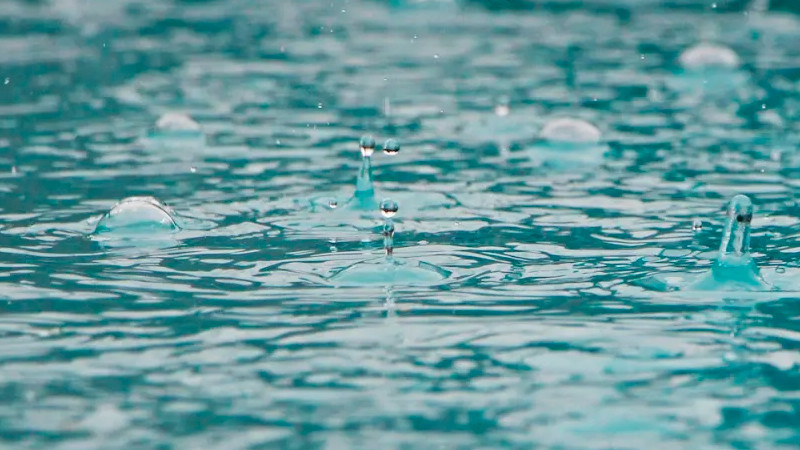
pixel 225 333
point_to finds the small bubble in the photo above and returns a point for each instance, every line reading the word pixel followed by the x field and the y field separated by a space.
pixel 333 203
pixel 713 6
pixel 780 269
pixel 502 109
pixel 389 208
pixel 319 105
pixel 697 225
pixel 570 130
pixel 7 80
pixel 193 169
pixel 435 56
pixel 367 145
pixel 176 122
pixel 391 147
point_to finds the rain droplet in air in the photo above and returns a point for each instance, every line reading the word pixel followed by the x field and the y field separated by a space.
pixel 176 122
pixel 391 147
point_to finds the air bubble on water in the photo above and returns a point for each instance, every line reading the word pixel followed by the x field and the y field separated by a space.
pixel 780 269
pixel 333 203
pixel 391 147
pixel 176 122
pixel 697 225
pixel 502 108
pixel 389 208
pixel 7 80
pixel 706 55
pixel 570 130
pixel 736 239
pixel 139 215
pixel 193 169
pixel 367 145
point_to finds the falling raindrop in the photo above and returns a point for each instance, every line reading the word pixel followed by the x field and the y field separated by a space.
pixel 391 147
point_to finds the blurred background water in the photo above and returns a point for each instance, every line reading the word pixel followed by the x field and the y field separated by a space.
pixel 231 332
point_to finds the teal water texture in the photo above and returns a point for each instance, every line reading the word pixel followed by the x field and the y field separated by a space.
pixel 250 304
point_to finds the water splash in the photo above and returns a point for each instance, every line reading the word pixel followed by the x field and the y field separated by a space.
pixel 734 268
pixel 137 215
pixel 706 55
pixel 389 270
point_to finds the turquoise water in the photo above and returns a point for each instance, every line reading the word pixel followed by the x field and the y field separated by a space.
pixel 255 308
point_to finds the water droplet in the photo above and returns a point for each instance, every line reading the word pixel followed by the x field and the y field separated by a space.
pixel 367 145
pixel 333 203
pixel 389 208
pixel 570 130
pixel 705 55
pixel 193 169
pixel 7 80
pixel 697 225
pixel 391 147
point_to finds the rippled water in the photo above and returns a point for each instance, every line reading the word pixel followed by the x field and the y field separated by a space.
pixel 229 329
